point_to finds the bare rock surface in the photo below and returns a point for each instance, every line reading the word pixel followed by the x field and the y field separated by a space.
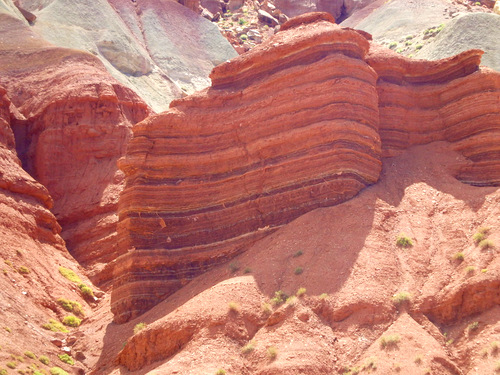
pixel 137 43
pixel 483 32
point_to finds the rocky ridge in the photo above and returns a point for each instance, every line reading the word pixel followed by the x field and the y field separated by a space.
pixel 171 239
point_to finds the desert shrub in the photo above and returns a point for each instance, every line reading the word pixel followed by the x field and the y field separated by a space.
pixel 323 296
pixel 298 254
pixel 220 371
pixel 418 359
pixel 7 329
pixel 459 256
pixel 23 270
pixel 393 45
pixel 298 271
pixel 389 341
pixel 266 308
pixel 469 270
pixel 473 326
pixel 55 326
pixel 87 292
pixel 139 327
pixel 57 371
pixel 272 352
pixel 481 234
pixel 66 359
pixel 11 365
pixel 418 46
pixel 243 37
pixel 70 275
pixel 3 371
pixel 352 371
pixel 247 270
pixel 30 354
pixel 71 321
pixel 497 367
pixel 301 292
pixel 404 241
pixel 233 306
pixel 248 348
pixel 401 297
pixel 291 301
pixel 279 298
pixel 494 347
pixel 71 306
pixel 233 267
pixel 44 359
pixel 486 244
pixel 370 364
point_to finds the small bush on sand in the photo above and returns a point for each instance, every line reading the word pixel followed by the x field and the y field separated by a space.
pixel 71 321
pixel 66 359
pixel 55 326
pixel 272 352
pixel 404 241
pixel 44 359
pixel 400 298
pixel 139 327
pixel 389 341
pixel 70 275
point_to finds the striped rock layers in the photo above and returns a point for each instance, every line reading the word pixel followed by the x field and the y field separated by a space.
pixel 299 122
pixel 287 128
pixel 446 100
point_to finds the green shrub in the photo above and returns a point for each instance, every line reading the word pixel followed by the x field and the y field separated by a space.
pixel 247 270
pixel 266 308
pixel 279 298
pixel 66 359
pixel 23 270
pixel 459 256
pixel 71 321
pixel 233 267
pixel 220 371
pixel 248 348
pixel 418 46
pixel 57 371
pixel 401 297
pixel 55 326
pixel 389 341
pixel 71 306
pixel 243 37
pixel 3 371
pixel 393 45
pixel 370 364
pixel 44 359
pixel 233 306
pixel 481 234
pixel 418 359
pixel 298 271
pixel 241 21
pixel 298 254
pixel 272 352
pixel 11 365
pixel 473 326
pixel 301 292
pixel 469 270
pixel 486 244
pixel 139 327
pixel 323 296
pixel 494 347
pixel 497 367
pixel 7 329
pixel 87 292
pixel 70 275
pixel 30 354
pixel 404 241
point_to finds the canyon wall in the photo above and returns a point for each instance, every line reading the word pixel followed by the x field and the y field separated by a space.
pixel 291 126
pixel 278 134
pixel 73 123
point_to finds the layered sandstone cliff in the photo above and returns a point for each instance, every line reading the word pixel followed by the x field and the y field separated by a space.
pixel 73 125
pixel 277 135
pixel 291 126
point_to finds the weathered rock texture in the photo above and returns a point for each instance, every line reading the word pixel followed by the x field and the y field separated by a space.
pixel 277 135
pixel 73 126
pixel 289 127
pixel 447 100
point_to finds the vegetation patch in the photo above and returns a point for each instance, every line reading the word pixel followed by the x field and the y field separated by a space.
pixel 389 341
pixel 279 298
pixel 44 359
pixel 469 270
pixel 30 354
pixel 248 348
pixel 486 244
pixel 459 256
pixel 11 365
pixel 57 371
pixel 66 359
pixel 298 271
pixel 233 306
pixel 139 327
pixel 247 270
pixel 23 270
pixel 301 292
pixel 86 291
pixel 400 298
pixel 233 267
pixel 71 321
pixel 272 353
pixel 55 326
pixel 70 275
pixel 221 371
pixel 404 241
pixel 298 254
pixel 71 306
pixel 473 326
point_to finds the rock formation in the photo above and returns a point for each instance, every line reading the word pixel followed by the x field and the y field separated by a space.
pixel 278 134
pixel 230 164
pixel 74 121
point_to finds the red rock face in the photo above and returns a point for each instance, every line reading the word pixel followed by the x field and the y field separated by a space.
pixel 289 127
pixel 280 133
pixel 75 120
pixel 447 100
